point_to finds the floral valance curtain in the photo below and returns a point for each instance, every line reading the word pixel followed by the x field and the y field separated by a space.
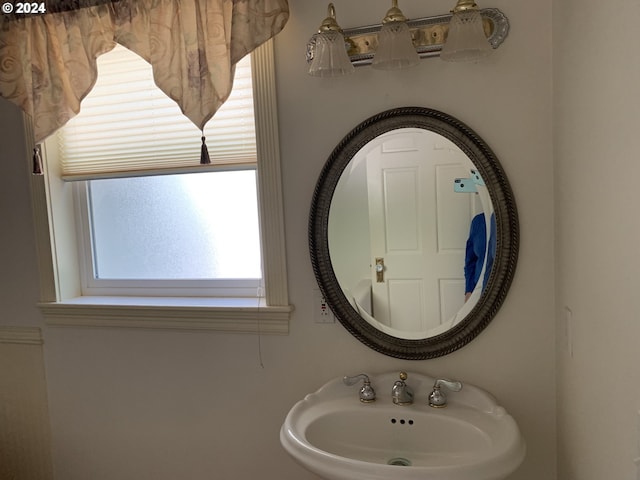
pixel 48 62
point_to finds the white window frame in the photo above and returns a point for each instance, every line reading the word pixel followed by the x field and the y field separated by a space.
pixel 92 286
pixel 62 302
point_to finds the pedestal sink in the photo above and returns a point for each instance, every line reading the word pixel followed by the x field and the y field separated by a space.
pixel 333 434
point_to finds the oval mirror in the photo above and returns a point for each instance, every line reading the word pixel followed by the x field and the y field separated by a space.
pixel 413 233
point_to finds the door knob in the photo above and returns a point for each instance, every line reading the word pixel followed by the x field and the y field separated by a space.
pixel 380 270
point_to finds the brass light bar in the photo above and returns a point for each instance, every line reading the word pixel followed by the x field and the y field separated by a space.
pixel 428 34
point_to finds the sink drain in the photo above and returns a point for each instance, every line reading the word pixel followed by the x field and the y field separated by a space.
pixel 399 462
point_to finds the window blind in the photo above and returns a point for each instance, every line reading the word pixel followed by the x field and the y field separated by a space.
pixel 128 127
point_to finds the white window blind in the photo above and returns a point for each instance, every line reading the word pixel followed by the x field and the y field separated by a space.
pixel 127 126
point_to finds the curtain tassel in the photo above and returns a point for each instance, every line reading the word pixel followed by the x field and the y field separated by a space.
pixel 204 153
pixel 37 161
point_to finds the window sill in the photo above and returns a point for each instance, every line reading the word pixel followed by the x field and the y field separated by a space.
pixel 231 315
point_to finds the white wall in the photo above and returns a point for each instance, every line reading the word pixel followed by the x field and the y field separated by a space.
pixel 597 116
pixel 25 441
pixel 161 405
pixel 24 423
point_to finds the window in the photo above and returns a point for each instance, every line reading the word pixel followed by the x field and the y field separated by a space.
pixel 165 250
pixel 190 234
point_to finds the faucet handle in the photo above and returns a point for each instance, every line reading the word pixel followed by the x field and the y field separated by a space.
pixel 452 385
pixel 366 393
pixel 438 399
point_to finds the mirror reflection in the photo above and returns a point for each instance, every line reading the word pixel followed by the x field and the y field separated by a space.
pixel 407 233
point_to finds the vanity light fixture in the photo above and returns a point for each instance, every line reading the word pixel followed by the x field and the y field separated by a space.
pixel 466 41
pixel 395 45
pixel 330 57
pixel 467 33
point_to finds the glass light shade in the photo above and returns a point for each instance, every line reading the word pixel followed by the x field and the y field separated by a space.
pixel 466 41
pixel 395 48
pixel 330 58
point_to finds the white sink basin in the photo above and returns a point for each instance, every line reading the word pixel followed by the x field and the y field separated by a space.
pixel 333 434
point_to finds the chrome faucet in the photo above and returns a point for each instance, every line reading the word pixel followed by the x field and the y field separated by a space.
pixel 438 399
pixel 401 393
pixel 366 393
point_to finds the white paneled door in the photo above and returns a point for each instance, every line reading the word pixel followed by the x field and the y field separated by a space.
pixel 419 227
